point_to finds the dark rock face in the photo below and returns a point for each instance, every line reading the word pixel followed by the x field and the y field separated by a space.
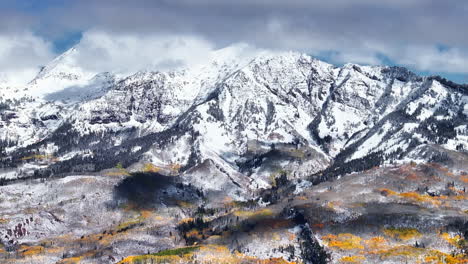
pixel 49 117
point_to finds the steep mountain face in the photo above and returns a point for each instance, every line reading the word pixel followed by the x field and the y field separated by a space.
pixel 245 117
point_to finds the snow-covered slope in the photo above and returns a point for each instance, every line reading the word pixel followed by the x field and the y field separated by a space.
pixel 242 116
pixel 61 73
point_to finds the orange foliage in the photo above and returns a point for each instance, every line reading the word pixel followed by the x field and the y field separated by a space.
pixel 175 167
pixel 254 214
pixel 464 178
pixel 452 240
pixel 146 214
pixel 27 251
pixel 149 167
pixel 291 236
pixel 352 259
pixel 438 167
pixel 184 204
pixel 334 204
pixel 401 251
pixel 227 200
pixel 73 260
pixel 344 241
pixel 120 172
pixel 104 239
pixel 204 254
pixel 437 257
pixel 402 233
pixel 40 157
pixel 416 197
pixel 387 192
pixel 194 233
pixel 450 174
pixel 147 258
pixel 375 243
pixel 186 220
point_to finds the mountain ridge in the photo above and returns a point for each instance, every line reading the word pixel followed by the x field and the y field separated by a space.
pixel 288 99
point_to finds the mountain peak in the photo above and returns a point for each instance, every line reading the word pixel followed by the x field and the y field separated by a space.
pixel 59 74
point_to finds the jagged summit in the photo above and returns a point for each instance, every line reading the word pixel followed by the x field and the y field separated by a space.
pixel 58 64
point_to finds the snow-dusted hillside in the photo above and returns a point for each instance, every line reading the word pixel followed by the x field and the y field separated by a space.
pixel 242 116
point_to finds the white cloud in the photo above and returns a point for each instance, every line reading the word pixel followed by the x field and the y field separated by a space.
pixel 431 58
pixel 353 48
pixel 418 57
pixel 126 53
pixel 21 55
pixel 406 31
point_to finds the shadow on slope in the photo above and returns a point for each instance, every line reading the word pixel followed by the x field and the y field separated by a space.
pixel 149 190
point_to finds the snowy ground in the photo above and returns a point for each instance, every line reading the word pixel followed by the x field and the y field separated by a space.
pixel 410 212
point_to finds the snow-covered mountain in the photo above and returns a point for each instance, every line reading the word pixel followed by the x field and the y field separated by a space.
pixel 261 157
pixel 240 117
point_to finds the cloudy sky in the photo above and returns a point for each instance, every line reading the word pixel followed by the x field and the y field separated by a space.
pixel 428 36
